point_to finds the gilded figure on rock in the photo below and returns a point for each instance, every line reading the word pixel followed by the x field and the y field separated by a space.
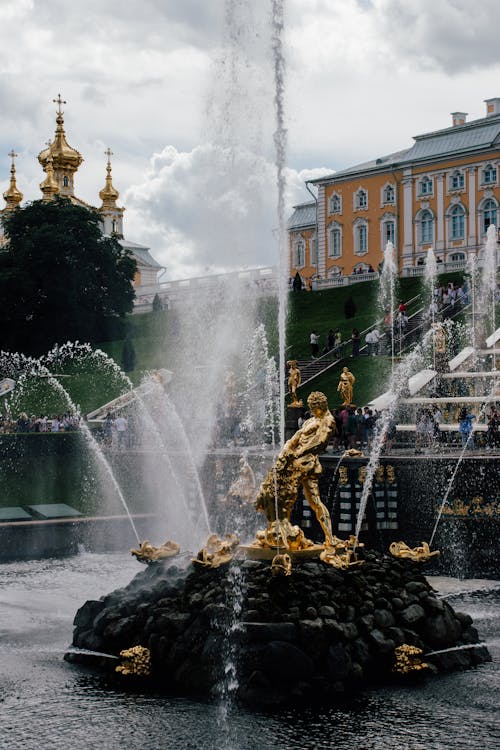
pixel 297 464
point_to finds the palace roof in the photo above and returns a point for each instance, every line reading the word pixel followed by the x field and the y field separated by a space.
pixel 304 215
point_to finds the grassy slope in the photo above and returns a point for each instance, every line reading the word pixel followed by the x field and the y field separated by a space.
pixel 154 335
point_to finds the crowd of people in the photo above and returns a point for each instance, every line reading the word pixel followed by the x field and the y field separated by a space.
pixel 356 428
pixel 67 422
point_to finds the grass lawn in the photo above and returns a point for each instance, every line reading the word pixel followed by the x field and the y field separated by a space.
pixel 371 373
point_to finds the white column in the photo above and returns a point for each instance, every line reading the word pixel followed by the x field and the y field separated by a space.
pixel 472 234
pixel 440 211
pixel 407 183
pixel 322 250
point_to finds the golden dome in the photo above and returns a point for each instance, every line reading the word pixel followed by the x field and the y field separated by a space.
pixel 64 157
pixel 49 186
pixel 109 194
pixel 12 195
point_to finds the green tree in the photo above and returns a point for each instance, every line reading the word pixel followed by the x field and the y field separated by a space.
pixel 61 279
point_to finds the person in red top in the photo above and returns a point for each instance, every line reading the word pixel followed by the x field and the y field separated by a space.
pixel 402 307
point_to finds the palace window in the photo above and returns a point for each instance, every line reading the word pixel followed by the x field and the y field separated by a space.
pixel 490 209
pixel 457 223
pixel 456 257
pixel 389 233
pixel 457 180
pixel 389 194
pixel 65 181
pixel 361 239
pixel 313 243
pixel 426 227
pixel 361 199
pixel 489 175
pixel 426 186
pixel 299 254
pixel 335 242
pixel 335 204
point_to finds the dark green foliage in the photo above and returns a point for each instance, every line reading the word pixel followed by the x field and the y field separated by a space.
pixel 60 278
pixel 128 355
pixel 350 308
pixel 157 306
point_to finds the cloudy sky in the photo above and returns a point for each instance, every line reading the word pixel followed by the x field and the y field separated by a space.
pixel 183 92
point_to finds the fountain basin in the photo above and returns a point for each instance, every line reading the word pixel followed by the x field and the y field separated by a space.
pixel 313 636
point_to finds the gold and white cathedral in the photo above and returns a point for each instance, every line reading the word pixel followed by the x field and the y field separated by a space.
pixel 60 162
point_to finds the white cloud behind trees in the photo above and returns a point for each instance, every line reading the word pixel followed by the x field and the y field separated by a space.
pixel 183 93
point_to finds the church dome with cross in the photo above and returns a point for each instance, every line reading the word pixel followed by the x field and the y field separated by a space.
pixel 60 162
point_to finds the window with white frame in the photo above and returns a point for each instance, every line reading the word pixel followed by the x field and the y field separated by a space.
pixel 457 257
pixel 389 194
pixel 489 175
pixel 388 233
pixel 457 223
pixel 335 204
pixel 299 253
pixel 490 214
pixel 457 180
pixel 361 199
pixel 313 244
pixel 425 186
pixel 426 227
pixel 361 238
pixel 335 241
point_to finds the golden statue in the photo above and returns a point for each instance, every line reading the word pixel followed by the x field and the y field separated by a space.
pixel 243 488
pixel 294 381
pixel 439 339
pixel 345 386
pixel 146 553
pixel 297 464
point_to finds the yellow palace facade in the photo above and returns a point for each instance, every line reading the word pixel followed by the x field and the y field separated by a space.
pixel 443 192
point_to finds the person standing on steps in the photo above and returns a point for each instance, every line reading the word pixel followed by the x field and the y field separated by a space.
pixel 314 340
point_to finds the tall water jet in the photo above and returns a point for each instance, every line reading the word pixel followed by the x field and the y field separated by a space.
pixel 430 280
pixel 387 292
pixel 280 139
pixel 489 278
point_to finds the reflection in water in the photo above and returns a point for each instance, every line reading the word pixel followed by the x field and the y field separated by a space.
pixel 45 702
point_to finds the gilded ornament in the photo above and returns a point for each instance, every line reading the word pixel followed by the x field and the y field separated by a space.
pixel 379 475
pixel 408 659
pixel 362 474
pixel 353 453
pixel 146 553
pixel 136 662
pixel 343 476
pixel 281 565
pixel 417 554
pixel 342 554
pixel 217 551
pixel 389 473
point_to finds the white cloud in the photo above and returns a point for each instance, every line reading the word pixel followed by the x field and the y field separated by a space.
pixel 210 209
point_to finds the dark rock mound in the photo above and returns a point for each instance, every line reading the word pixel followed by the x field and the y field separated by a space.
pixel 317 633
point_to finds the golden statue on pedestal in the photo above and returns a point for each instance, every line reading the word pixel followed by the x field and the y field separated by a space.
pixel 297 464
pixel 294 381
pixel 345 386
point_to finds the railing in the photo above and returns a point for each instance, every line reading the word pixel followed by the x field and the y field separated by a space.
pixel 336 281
